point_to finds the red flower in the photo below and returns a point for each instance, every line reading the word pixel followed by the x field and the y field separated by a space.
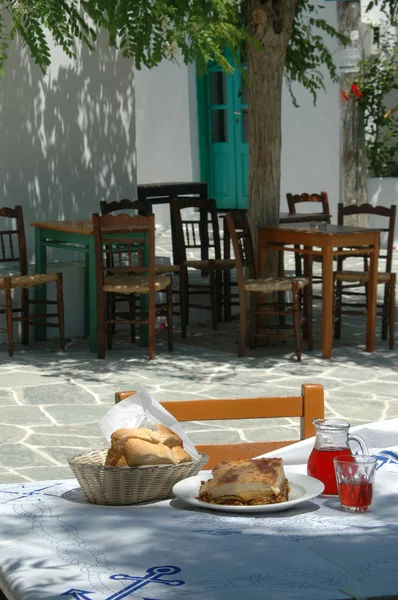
pixel 345 95
pixel 355 90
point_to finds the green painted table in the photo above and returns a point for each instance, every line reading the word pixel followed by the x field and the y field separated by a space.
pixel 76 236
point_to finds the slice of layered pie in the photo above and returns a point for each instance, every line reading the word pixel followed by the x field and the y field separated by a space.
pixel 246 482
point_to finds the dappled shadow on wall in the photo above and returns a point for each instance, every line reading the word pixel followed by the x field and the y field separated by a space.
pixel 68 138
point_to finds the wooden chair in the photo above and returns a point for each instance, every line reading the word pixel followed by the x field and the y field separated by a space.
pixel 321 200
pixel 121 268
pixel 200 234
pixel 308 406
pixel 163 193
pixel 358 279
pixel 239 232
pixel 13 250
pixel 140 207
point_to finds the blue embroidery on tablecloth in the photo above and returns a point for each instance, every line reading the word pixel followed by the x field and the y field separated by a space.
pixel 154 575
pixel 24 491
pixel 386 457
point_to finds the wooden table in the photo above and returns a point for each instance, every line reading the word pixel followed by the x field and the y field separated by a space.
pixel 76 236
pixel 330 241
pixel 284 217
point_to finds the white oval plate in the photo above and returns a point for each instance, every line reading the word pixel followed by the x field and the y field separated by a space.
pixel 302 488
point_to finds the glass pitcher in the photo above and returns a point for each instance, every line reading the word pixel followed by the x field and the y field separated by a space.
pixel 332 439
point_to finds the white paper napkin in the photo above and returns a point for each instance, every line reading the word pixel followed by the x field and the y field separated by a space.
pixel 142 410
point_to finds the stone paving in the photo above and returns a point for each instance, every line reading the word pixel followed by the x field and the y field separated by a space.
pixel 51 401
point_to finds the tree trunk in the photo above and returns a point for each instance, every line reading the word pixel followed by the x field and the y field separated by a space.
pixel 354 175
pixel 271 23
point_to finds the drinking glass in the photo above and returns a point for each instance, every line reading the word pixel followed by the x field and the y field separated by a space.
pixel 320 225
pixel 355 477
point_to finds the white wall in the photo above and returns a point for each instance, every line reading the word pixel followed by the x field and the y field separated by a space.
pixel 68 138
pixel 311 136
pixel 383 191
pixel 166 125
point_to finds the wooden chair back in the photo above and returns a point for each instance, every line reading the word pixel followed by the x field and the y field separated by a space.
pixel 308 406
pixel 163 193
pixel 140 207
pixel 242 244
pixel 117 254
pixel 322 198
pixel 191 233
pixel 381 211
pixel 12 238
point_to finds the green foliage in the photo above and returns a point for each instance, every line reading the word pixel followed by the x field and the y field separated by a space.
pixel 388 7
pixel 307 52
pixel 378 82
pixel 146 30
pixel 149 31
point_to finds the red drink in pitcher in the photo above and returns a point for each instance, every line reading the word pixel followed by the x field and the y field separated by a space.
pixel 321 466
pixel 357 496
pixel 332 439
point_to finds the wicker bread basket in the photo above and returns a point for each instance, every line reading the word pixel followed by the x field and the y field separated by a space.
pixel 128 485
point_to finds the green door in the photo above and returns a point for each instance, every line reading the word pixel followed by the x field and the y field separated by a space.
pixel 223 132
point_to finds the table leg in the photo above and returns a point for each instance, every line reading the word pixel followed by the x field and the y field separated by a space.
pixel 144 303
pixel 87 295
pixel 327 301
pixel 227 273
pixel 259 298
pixel 307 295
pixel 40 290
pixel 92 295
pixel 372 296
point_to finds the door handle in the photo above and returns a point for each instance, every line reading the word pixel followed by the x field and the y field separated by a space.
pixel 237 112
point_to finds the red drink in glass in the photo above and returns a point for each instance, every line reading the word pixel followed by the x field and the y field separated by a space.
pixel 356 496
pixel 321 466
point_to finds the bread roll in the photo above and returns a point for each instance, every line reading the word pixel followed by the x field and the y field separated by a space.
pixel 140 452
pixel 180 455
pixel 165 435
pixel 136 447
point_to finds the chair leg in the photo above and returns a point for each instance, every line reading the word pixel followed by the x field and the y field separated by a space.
pixel 296 319
pixel 151 326
pixel 132 304
pixel 110 315
pixel 112 301
pixel 338 301
pixel 297 260
pixel 169 297
pixel 219 294
pixel 385 311
pixel 307 310
pixel 256 325
pixel 9 320
pixel 392 310
pixel 101 325
pixel 25 315
pixel 227 295
pixel 281 295
pixel 242 323
pixel 60 310
pixel 184 301
pixel 214 300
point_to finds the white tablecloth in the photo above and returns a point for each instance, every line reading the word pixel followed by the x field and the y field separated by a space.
pixel 53 544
